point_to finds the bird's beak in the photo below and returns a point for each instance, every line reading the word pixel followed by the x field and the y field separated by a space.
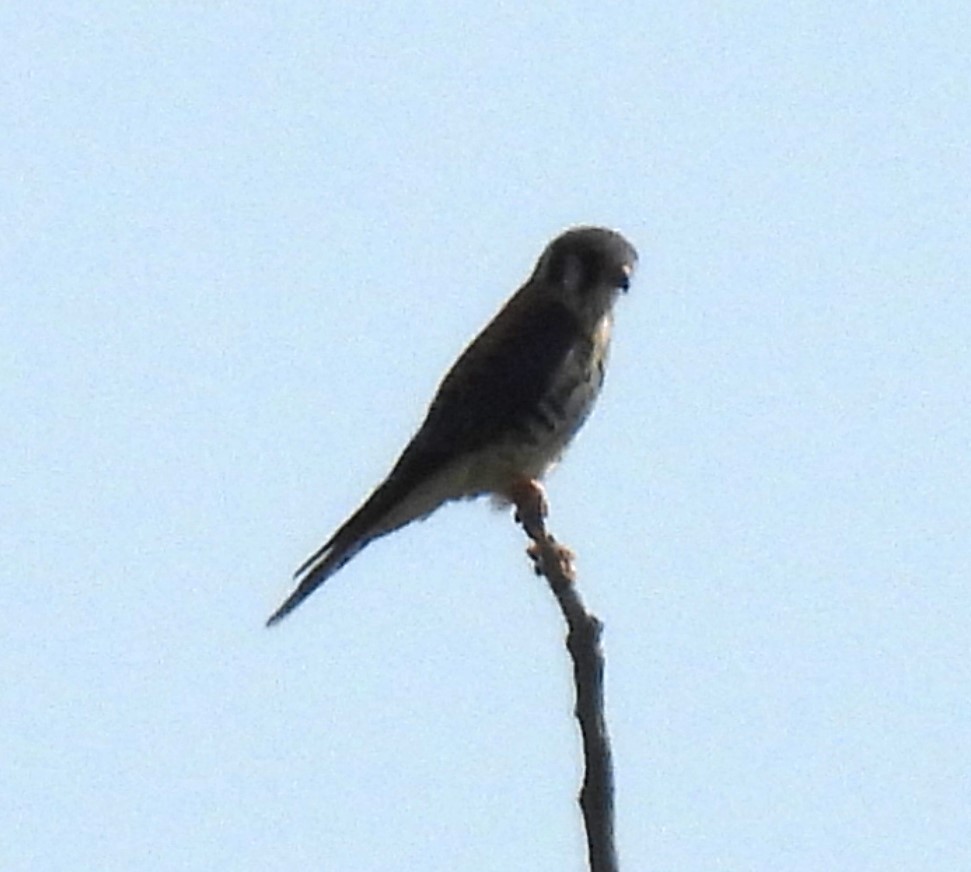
pixel 626 271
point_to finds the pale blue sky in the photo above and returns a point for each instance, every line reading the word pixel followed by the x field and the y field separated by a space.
pixel 240 244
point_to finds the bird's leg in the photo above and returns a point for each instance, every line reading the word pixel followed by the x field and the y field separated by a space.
pixel 532 508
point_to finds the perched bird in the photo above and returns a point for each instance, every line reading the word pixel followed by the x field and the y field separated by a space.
pixel 508 407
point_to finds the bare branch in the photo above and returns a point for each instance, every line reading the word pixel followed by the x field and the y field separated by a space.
pixel 555 562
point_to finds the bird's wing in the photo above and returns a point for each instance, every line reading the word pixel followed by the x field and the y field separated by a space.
pixel 495 386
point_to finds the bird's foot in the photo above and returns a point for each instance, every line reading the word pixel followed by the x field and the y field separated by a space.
pixel 556 551
pixel 546 553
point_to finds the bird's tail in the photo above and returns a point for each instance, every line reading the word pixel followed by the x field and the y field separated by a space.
pixel 372 520
pixel 320 566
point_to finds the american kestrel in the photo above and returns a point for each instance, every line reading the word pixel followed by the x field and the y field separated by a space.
pixel 509 406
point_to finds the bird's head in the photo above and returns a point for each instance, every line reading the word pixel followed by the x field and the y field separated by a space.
pixel 586 268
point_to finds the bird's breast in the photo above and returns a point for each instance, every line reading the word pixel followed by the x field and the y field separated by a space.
pixel 546 429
